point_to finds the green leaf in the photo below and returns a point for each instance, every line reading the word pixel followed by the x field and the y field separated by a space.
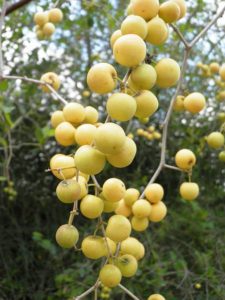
pixel 3 85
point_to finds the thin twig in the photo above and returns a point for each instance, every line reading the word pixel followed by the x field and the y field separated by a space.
pixel 89 291
pixel 173 168
pixel 96 182
pixel 2 19
pixel 128 292
pixel 180 35
pixel 38 82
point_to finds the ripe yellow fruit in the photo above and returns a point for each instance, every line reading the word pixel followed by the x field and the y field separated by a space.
pixel 143 77
pixel 110 275
pixel 214 67
pixel 91 206
pixel 110 206
pixel 85 134
pixel 93 247
pixel 139 224
pixel 65 134
pixel 123 209
pixel 62 166
pixel 68 191
pixel 158 212
pixel 90 115
pixel 40 18
pixel 118 228
pixel 121 107
pixel 129 50
pixel 134 25
pixel 182 6
pixel 179 103
pixel 157 31
pixel 189 190
pixel 40 34
pixel 57 118
pixel 127 264
pixel 113 189
pixel 131 196
pixel 222 156
pixel 222 72
pixel 125 157
pixel 89 160
pixel 48 29
pixel 129 10
pixel 55 15
pixel 146 9
pixel 83 186
pixel 185 159
pixel 141 208
pixel 67 236
pixel 101 78
pixel 156 297
pixel 109 246
pixel 215 140
pixel 169 11
pixel 154 192
pixel 147 104
pixel 221 96
pixel 194 102
pixel 116 34
pixel 52 79
pixel 133 247
pixel 168 73
pixel 74 112
pixel 110 138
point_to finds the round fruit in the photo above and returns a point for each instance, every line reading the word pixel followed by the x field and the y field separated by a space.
pixel 83 186
pixel 48 29
pixel 214 67
pixel 67 236
pixel 93 247
pixel 125 157
pixel 52 79
pixel 74 112
pixel 101 78
pixel 156 297
pixel 118 228
pixel 89 160
pixel 139 224
pixel 57 118
pixel 64 134
pixel 55 15
pixel 123 209
pixel 121 107
pixel 222 72
pixel 40 18
pixel 131 196
pixel 134 25
pixel 215 140
pixel 182 6
pixel 110 138
pixel 146 9
pixel 185 159
pixel 133 247
pixel 90 115
pixel 189 190
pixel 113 189
pixel 127 264
pixel 85 134
pixel 116 34
pixel 222 156
pixel 110 275
pixel 129 10
pixel 91 206
pixel 109 246
pixel 194 102
pixel 68 191
pixel 141 208
pixel 169 11
pixel 110 206
pixel 129 50
pixel 147 104
pixel 144 77
pixel 168 72
pixel 62 166
pixel 179 103
pixel 157 31
pixel 158 212
pixel 154 192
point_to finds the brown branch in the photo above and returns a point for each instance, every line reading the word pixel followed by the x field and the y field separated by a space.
pixel 16 6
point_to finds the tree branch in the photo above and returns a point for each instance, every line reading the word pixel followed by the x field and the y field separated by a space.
pixel 16 6
pixel 2 18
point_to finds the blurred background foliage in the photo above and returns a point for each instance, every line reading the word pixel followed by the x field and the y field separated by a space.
pixel 185 254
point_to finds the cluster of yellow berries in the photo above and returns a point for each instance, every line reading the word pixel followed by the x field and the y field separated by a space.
pixel 193 103
pixel 105 292
pixel 210 71
pixel 149 133
pixel 45 22
pixel 216 140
